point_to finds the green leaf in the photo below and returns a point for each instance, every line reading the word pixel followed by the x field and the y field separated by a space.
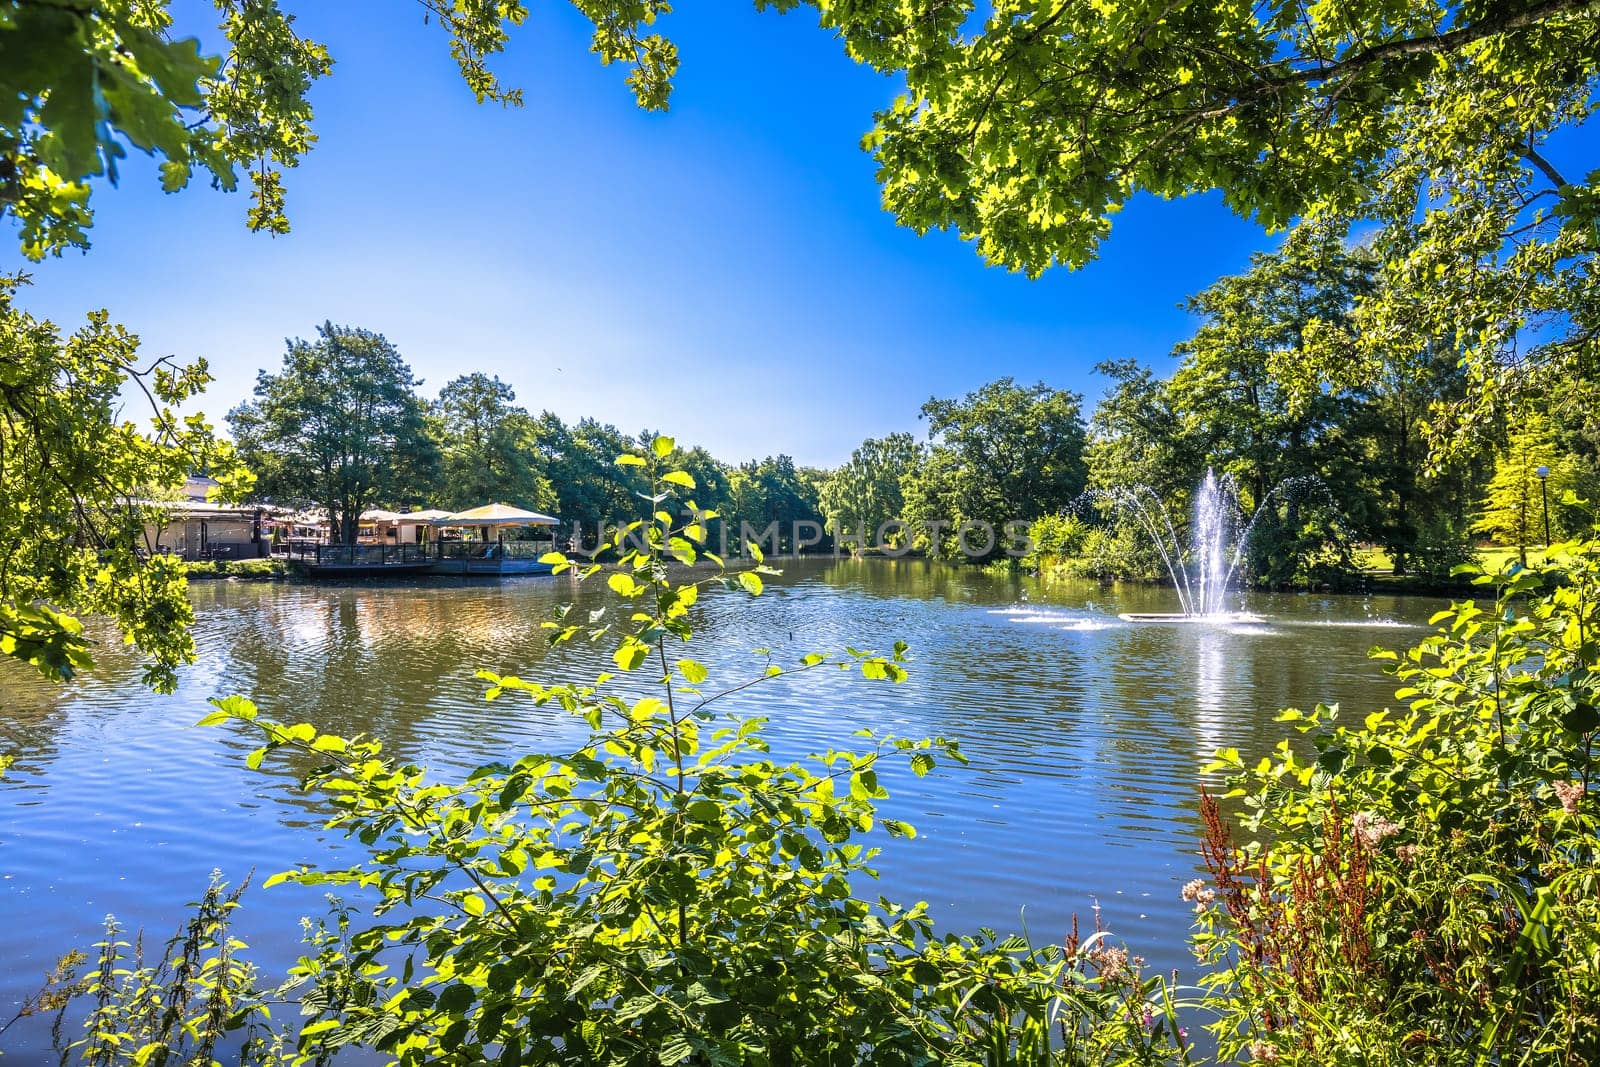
pixel 693 672
pixel 456 998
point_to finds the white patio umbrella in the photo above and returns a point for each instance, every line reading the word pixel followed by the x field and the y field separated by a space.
pixel 496 515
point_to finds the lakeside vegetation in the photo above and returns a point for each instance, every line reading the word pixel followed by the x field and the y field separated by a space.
pixel 1424 888
pixel 1336 479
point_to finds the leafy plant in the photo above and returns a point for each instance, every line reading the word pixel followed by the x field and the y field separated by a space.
pixel 668 892
pixel 1428 885
pixel 76 479
pixel 196 1003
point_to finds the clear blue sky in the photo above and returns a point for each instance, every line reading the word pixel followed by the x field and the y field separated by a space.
pixel 723 271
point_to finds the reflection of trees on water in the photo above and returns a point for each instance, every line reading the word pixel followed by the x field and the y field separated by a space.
pixel 1124 715
pixel 385 661
pixel 35 712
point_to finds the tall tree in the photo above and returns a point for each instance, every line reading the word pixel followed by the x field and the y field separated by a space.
pixel 1515 500
pixel 340 426
pixel 1137 436
pixel 580 462
pixel 864 493
pixel 1004 452
pixel 487 446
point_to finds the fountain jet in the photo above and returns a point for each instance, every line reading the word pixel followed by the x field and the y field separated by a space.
pixel 1203 574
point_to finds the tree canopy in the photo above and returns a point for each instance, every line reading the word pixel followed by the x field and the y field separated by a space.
pixel 78 484
pixel 83 81
pixel 487 447
pixel 1024 126
pixel 340 427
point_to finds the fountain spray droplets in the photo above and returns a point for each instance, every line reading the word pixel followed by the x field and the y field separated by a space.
pixel 1202 574
pixel 1216 525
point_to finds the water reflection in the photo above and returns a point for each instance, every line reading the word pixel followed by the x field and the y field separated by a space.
pixel 1085 734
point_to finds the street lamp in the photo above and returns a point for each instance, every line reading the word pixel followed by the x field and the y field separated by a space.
pixel 1544 498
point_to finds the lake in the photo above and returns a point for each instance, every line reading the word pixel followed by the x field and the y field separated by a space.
pixel 1085 736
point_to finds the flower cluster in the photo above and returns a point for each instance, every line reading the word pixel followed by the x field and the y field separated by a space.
pixel 1371 829
pixel 1261 1052
pixel 1570 793
pixel 1201 894
pixel 1109 960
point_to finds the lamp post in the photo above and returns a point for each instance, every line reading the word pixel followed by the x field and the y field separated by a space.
pixel 1544 499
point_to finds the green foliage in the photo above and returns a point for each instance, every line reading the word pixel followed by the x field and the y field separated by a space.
pixel 1443 545
pixel 75 481
pixel 199 1004
pixel 80 83
pixel 340 427
pixel 767 491
pixel 1517 501
pixel 249 569
pixel 1319 467
pixel 1055 538
pixel 1428 885
pixel 589 487
pixel 1004 453
pixel 864 494
pixel 487 447
pixel 668 892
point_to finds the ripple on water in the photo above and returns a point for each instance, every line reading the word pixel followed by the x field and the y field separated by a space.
pixel 1084 735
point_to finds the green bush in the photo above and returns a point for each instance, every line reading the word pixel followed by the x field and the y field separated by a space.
pixel 1429 889
pixel 1055 538
pixel 1444 543
pixel 254 569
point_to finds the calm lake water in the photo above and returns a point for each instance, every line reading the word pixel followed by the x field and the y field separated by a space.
pixel 1085 735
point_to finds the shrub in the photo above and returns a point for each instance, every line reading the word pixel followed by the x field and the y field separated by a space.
pixel 1054 539
pixel 1426 887
pixel 1444 543
pixel 235 568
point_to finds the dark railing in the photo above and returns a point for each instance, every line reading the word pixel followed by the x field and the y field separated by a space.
pixel 319 554
pixel 325 555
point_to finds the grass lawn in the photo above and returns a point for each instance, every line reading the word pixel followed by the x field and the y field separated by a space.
pixel 1377 561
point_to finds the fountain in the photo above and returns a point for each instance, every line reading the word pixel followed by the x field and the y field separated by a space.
pixel 1216 547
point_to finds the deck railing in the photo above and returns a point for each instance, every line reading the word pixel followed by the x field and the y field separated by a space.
pixel 325 555
pixel 320 554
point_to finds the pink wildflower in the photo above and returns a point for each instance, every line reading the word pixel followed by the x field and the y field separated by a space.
pixel 1371 829
pixel 1407 853
pixel 1569 793
pixel 1200 893
pixel 1263 1052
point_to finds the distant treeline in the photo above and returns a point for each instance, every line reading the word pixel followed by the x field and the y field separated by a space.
pixel 342 425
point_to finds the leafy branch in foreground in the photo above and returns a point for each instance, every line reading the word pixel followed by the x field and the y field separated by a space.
pixel 668 892
pixel 75 480
pixel 1427 888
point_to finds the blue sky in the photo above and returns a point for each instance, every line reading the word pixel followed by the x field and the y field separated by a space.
pixel 724 271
